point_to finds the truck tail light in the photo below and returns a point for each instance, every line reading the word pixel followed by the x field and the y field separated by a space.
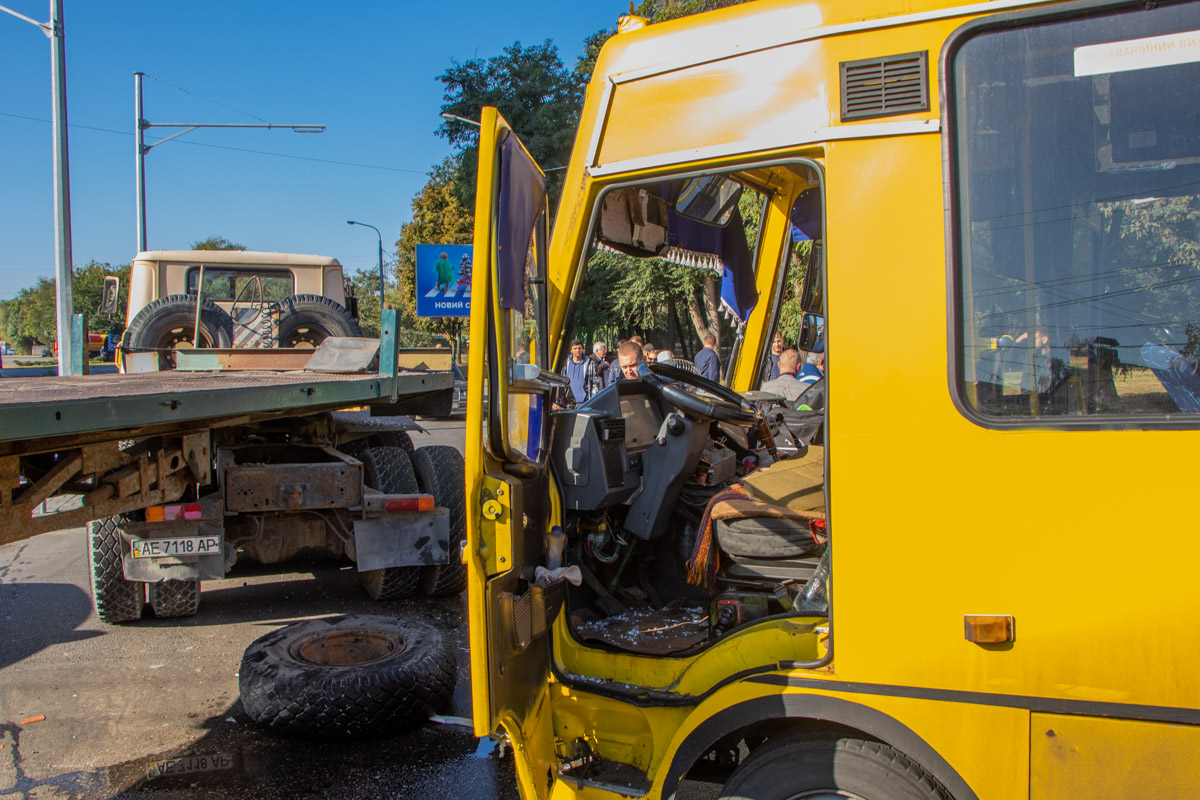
pixel 407 503
pixel 175 513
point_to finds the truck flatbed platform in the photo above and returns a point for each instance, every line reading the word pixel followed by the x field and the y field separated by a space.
pixel 139 404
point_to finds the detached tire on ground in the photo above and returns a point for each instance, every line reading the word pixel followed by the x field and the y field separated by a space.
pixel 440 472
pixel 388 470
pixel 170 322
pixel 347 676
pixel 116 599
pixel 306 320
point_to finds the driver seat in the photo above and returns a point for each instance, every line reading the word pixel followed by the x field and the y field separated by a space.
pixel 770 545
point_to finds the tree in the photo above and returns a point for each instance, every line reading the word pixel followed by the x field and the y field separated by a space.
pixel 366 289
pixel 88 289
pixel 217 243
pixel 540 98
pixel 439 217
pixel 30 317
pixel 653 10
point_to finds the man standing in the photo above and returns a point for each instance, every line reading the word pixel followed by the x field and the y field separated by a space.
pixel 708 361
pixel 629 355
pixel 599 351
pixel 580 370
pixel 786 385
pixel 776 350
pixel 814 366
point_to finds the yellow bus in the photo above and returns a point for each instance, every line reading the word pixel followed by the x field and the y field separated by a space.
pixel 975 579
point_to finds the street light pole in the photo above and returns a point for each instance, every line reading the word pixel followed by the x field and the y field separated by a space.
pixel 380 235
pixel 63 272
pixel 446 115
pixel 141 124
pixel 140 164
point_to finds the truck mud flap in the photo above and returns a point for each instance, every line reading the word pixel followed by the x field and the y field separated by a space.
pixel 403 540
pixel 179 550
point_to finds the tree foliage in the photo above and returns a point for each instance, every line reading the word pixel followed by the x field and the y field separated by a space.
pixel 653 10
pixel 30 317
pixel 438 217
pixel 217 243
pixel 540 98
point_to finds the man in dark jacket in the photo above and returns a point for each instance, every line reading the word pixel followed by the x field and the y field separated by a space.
pixel 581 370
pixel 708 361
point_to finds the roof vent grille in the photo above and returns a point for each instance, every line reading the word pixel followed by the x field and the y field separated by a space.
pixel 885 87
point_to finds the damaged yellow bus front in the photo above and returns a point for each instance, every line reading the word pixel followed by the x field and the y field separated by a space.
pixel 967 571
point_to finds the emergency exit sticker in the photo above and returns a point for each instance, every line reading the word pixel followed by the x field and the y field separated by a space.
pixel 1147 53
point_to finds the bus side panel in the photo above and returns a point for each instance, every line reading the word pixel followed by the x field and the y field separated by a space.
pixel 995 764
pixel 1082 535
pixel 1111 759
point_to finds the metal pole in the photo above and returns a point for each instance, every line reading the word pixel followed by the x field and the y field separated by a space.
pixel 64 295
pixel 140 161
pixel 140 124
pixel 380 235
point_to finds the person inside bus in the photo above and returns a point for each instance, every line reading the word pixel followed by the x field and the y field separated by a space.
pixel 786 385
pixel 776 351
pixel 629 356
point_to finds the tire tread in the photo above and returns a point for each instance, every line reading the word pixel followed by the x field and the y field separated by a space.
pixel 174 598
pixel 291 696
pixel 440 471
pixel 116 599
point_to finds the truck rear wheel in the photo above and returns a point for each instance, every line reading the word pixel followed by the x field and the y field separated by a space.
pixel 174 598
pixel 394 439
pixel 388 470
pixel 170 323
pixel 347 676
pixel 116 599
pixel 306 320
pixel 440 472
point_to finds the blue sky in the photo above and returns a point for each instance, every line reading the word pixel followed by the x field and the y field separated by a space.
pixel 366 70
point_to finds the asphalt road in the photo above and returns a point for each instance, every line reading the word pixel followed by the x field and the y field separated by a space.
pixel 87 709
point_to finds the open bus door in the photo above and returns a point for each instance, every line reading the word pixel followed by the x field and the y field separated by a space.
pixel 510 391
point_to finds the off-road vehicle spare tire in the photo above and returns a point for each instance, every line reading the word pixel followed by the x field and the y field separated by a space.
pixel 306 320
pixel 347 676
pixel 170 322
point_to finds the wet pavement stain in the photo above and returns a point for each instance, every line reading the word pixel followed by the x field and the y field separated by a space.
pixel 238 760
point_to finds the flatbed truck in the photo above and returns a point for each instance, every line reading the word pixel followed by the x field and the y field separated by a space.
pixel 255 452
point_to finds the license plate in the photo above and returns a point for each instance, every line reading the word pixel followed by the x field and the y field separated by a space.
pixel 179 766
pixel 191 546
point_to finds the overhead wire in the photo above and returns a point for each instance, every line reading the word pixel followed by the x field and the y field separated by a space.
pixel 236 149
pixel 202 97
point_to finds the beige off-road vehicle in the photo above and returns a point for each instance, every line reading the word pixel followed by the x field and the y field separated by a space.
pixel 234 298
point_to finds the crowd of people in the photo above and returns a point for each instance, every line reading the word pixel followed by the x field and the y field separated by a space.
pixel 788 375
pixel 591 372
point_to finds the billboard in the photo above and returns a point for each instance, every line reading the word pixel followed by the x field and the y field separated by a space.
pixel 444 280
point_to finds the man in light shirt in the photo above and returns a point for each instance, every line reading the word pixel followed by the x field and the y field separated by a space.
pixel 786 385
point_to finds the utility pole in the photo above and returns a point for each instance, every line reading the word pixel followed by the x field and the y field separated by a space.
pixel 141 124
pixel 63 267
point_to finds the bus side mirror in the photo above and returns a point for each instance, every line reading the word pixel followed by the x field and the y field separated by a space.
pixel 108 295
pixel 810 332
